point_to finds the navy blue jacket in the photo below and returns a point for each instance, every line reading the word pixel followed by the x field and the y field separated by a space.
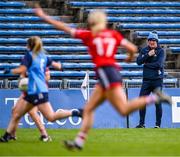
pixel 153 66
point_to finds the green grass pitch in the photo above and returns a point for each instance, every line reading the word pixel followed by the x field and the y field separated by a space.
pixel 103 142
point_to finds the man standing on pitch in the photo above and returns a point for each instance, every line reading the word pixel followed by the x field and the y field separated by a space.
pixel 152 58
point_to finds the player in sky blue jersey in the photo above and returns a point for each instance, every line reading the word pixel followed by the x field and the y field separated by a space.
pixel 35 62
pixel 33 113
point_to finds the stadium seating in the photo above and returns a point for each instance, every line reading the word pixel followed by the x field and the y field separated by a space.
pixel 45 41
pixel 56 57
pixel 16 11
pixel 137 11
pixel 12 4
pixel 148 26
pixel 31 33
pixel 160 33
pixel 144 16
pixel 75 65
pixel 80 74
pixel 144 19
pixel 17 23
pixel 175 49
pixel 27 26
pixel 48 48
pixel 123 4
pixel 21 19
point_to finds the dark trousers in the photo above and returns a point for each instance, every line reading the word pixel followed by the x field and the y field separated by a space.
pixel 147 87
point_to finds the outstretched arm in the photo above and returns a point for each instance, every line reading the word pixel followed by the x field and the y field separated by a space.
pixel 58 24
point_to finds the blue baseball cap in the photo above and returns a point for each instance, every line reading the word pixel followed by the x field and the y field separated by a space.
pixel 153 36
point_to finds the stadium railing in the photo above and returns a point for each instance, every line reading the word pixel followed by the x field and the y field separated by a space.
pixel 66 83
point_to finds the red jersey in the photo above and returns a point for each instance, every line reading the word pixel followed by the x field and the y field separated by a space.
pixel 102 47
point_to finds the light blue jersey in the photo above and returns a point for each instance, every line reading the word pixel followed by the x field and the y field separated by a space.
pixel 36 72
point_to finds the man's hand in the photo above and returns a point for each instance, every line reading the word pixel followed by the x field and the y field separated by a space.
pixel 151 53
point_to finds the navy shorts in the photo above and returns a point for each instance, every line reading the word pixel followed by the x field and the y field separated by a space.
pixel 36 99
pixel 109 76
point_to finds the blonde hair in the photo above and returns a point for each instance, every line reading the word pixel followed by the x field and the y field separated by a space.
pixel 97 20
pixel 35 44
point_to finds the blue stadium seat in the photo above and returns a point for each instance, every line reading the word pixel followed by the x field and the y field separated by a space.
pixel 16 11
pixel 12 4
pixel 76 65
pixel 58 57
pixel 160 33
pixel 137 11
pixel 92 74
pixel 21 18
pixel 149 26
pixel 28 26
pixel 144 19
pixel 48 48
pixel 91 65
pixel 31 33
pixel 175 49
pixel 124 4
pixel 81 74
pixel 169 41
pixel 45 41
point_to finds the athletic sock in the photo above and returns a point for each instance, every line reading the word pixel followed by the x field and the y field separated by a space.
pixel 80 139
pixel 77 113
pixel 151 98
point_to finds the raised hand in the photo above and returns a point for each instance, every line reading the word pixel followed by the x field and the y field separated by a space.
pixel 39 11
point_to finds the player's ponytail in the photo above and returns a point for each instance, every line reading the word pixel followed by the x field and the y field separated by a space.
pixel 97 21
pixel 35 45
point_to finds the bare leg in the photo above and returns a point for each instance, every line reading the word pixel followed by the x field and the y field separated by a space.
pixel 36 118
pixel 48 112
pixel 20 109
pixel 20 101
pixel 118 99
pixel 95 100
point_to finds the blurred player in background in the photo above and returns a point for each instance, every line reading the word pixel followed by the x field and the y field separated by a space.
pixel 35 63
pixel 103 44
pixel 33 113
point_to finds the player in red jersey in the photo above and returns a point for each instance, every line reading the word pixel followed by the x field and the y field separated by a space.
pixel 103 44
